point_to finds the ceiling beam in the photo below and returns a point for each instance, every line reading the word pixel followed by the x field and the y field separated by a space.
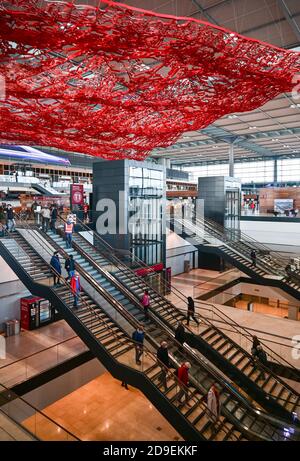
pixel 289 17
pixel 202 11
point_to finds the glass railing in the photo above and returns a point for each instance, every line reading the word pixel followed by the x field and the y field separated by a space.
pixel 215 283
pixel 127 357
pixel 32 365
pixel 40 425
pixel 176 296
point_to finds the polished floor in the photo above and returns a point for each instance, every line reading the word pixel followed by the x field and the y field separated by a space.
pixel 104 410
pixel 276 331
pixel 265 309
pixel 32 352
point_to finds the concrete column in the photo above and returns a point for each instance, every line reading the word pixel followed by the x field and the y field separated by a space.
pixel 231 160
pixel 166 162
pixel 275 171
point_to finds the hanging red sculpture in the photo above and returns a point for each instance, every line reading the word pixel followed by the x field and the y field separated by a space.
pixel 117 82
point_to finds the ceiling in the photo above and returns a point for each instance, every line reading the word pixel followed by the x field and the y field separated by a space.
pixel 274 129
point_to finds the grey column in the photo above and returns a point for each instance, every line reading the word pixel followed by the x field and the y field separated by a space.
pixel 275 172
pixel 231 160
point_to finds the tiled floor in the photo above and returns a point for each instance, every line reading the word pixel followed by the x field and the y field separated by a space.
pixel 26 355
pixel 260 322
pixel 265 309
pixel 104 410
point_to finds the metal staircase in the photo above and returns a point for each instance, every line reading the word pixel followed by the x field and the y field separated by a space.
pixel 114 348
pixel 126 288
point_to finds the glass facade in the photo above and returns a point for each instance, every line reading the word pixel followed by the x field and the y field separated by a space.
pixel 146 207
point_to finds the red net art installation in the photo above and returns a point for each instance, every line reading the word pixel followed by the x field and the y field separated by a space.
pixel 117 82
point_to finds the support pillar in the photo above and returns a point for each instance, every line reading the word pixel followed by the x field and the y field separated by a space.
pixel 231 160
pixel 275 172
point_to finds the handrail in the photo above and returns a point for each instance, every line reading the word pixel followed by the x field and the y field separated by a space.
pixel 234 245
pixel 92 311
pixel 245 236
pixel 178 383
pixel 212 280
pixel 38 352
pixel 230 389
pixel 223 232
pixel 9 393
pixel 270 372
pixel 177 292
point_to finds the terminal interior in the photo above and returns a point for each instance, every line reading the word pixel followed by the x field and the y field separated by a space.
pixel 197 233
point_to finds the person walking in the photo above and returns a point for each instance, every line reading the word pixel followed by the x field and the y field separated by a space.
pixel 56 267
pixel 54 215
pixel 213 405
pixel 70 266
pixel 191 311
pixel 10 218
pixel 183 381
pixel 69 226
pixel 86 212
pixel 124 384
pixel 45 213
pixel 75 287
pixel 262 358
pixel 288 271
pixel 138 336
pixel 180 335
pixel 163 359
pixel 146 303
pixel 253 257
pixel 254 351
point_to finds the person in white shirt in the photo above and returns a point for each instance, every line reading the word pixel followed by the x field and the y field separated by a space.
pixel 45 218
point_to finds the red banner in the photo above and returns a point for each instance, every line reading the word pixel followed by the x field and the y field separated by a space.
pixel 149 270
pixel 77 194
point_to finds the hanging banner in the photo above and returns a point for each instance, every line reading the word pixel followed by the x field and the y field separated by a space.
pixel 77 194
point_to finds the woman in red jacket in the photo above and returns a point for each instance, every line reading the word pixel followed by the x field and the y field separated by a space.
pixel 75 287
pixel 183 381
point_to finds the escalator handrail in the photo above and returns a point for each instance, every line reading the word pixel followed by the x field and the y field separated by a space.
pixel 154 358
pixel 178 293
pixel 268 417
pixel 246 237
pixel 271 352
pixel 216 377
pixel 86 256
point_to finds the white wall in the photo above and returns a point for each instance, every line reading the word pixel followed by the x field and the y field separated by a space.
pixel 177 252
pixel 11 290
pixel 254 290
pixel 273 232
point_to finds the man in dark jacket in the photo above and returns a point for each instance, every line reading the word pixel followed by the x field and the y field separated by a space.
pixel 70 266
pixel 10 218
pixel 56 266
pixel 191 311
pixel 138 336
pixel 253 257
pixel 262 358
pixel 53 218
pixel 164 362
pixel 180 335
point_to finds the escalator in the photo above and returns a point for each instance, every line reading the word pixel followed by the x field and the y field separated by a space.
pixel 212 238
pixel 111 276
pixel 113 347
